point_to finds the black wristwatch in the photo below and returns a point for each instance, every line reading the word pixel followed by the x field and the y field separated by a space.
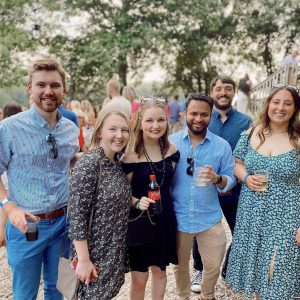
pixel 219 180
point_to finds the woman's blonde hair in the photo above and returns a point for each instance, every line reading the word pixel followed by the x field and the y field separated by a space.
pixel 129 93
pixel 138 133
pixel 86 106
pixel 103 115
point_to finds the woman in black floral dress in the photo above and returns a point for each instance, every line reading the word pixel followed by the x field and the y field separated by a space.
pixel 101 255
pixel 154 247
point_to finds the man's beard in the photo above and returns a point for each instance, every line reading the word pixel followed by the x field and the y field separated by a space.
pixel 196 131
pixel 223 106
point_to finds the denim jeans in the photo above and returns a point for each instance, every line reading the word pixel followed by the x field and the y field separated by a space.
pixel 29 259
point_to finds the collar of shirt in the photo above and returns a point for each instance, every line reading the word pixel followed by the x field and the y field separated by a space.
pixel 186 136
pixel 216 114
pixel 39 120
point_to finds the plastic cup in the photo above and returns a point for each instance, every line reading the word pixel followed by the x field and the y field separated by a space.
pixel 264 179
pixel 201 179
pixel 32 233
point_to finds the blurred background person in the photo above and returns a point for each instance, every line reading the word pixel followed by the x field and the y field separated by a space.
pixel 242 98
pixel 90 119
pixel 174 117
pixel 130 94
pixel 81 121
pixel 290 60
pixel 11 109
pixel 116 100
pixel 1 113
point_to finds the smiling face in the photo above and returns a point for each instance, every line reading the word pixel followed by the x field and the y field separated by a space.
pixel 114 135
pixel 154 123
pixel 222 93
pixel 47 90
pixel 281 107
pixel 197 117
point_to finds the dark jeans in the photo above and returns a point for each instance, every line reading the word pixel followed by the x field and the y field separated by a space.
pixel 229 204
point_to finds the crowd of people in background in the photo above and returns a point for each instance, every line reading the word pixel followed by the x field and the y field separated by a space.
pixel 208 161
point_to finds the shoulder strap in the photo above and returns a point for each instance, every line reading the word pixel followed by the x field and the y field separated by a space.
pixel 250 134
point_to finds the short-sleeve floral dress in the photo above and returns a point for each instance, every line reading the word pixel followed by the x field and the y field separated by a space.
pixel 107 240
pixel 266 228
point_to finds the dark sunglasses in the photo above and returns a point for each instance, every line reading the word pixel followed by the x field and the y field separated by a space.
pixel 53 152
pixel 281 85
pixel 190 168
pixel 154 99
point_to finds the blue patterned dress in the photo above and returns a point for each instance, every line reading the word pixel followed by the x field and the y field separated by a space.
pixel 266 227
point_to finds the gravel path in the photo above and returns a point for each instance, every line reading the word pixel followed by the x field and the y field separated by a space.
pixel 223 292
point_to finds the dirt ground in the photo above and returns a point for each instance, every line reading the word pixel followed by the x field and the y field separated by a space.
pixel 223 292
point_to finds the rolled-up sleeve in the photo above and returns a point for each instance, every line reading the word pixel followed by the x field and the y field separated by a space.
pixel 82 195
pixel 227 169
pixel 5 148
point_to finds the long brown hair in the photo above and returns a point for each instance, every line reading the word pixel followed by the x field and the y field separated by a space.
pixel 138 133
pixel 263 121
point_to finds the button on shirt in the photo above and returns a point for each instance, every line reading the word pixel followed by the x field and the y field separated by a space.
pixel 197 208
pixel 36 182
pixel 232 128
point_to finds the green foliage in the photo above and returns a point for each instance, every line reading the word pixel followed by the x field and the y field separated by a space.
pixel 187 38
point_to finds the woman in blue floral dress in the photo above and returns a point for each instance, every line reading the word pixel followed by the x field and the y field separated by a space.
pixel 265 254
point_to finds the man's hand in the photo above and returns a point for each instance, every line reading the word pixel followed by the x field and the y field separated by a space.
pixel 2 228
pixel 18 216
pixel 298 237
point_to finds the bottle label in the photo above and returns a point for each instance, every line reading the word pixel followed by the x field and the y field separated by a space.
pixel 154 195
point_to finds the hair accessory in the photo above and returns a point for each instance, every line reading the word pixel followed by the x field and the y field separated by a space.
pixel 281 85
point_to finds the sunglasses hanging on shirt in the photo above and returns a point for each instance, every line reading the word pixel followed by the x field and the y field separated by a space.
pixel 53 152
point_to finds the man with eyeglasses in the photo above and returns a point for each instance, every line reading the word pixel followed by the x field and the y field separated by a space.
pixel 228 123
pixel 36 148
pixel 205 156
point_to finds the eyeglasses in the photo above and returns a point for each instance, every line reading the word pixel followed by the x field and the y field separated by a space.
pixel 281 85
pixel 53 152
pixel 154 99
pixel 190 168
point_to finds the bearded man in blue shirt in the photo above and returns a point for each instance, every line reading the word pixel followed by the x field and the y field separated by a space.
pixel 36 148
pixel 197 207
pixel 227 123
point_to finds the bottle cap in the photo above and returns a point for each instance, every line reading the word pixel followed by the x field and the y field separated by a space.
pixel 152 177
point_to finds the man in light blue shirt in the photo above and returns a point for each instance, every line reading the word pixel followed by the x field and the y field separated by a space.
pixel 36 148
pixel 197 208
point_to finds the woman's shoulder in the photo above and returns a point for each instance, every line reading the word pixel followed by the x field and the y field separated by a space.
pixel 130 158
pixel 173 153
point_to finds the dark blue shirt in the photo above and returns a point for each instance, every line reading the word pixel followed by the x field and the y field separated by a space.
pixel 69 115
pixel 232 128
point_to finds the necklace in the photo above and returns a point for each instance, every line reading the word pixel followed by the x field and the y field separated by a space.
pixel 153 166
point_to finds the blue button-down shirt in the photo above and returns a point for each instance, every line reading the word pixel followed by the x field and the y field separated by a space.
pixel 36 182
pixel 232 128
pixel 197 208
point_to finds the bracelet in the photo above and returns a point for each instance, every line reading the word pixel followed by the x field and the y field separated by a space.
pixel 245 178
pixel 219 179
pixel 136 204
pixel 3 202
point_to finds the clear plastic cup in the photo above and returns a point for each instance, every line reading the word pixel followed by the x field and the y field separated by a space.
pixel 201 179
pixel 32 233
